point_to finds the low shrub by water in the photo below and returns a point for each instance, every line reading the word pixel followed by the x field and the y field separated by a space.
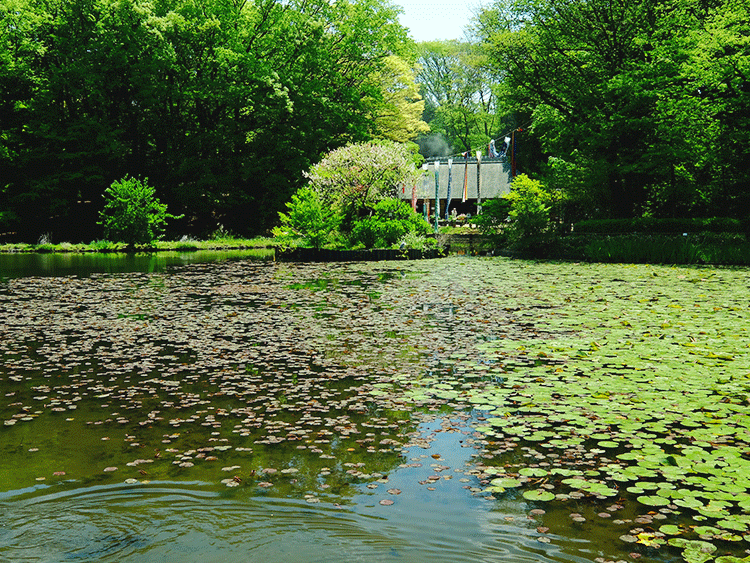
pixel 669 225
pixel 705 248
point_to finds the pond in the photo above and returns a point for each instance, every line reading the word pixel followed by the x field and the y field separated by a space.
pixel 24 264
pixel 460 409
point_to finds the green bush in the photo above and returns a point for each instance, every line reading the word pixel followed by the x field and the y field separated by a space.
pixel 102 245
pixel 493 220
pixel 8 220
pixel 309 222
pixel 654 225
pixel 417 241
pixel 530 227
pixel 657 248
pixel 132 213
pixel 390 221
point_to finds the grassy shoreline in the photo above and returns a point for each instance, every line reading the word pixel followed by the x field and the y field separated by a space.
pixel 102 246
pixel 694 248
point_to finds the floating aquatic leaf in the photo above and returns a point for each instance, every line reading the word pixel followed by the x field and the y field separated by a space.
pixel 694 551
pixel 649 539
pixel 653 500
pixel 733 524
pixel 538 495
pixel 533 472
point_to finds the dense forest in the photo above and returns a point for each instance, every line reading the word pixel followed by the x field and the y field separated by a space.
pixel 221 104
pixel 628 107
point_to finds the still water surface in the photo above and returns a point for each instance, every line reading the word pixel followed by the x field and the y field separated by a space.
pixel 83 264
pixel 244 410
pixel 189 521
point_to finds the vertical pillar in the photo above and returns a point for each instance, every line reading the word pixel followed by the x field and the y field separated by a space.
pixel 437 194
pixel 479 182
pixel 448 195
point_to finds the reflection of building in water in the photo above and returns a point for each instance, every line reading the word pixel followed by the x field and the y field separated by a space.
pixel 493 181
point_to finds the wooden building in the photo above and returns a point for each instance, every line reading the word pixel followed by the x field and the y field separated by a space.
pixel 483 179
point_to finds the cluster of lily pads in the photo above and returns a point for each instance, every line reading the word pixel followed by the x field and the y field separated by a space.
pixel 634 387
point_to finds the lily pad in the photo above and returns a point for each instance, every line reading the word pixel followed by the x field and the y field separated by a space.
pixel 653 500
pixel 538 495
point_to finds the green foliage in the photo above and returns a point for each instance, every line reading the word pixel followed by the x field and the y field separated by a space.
pixel 651 121
pixel 309 222
pixel 417 241
pixel 8 219
pixel 493 220
pixel 494 214
pixel 103 245
pixel 354 178
pixel 461 96
pixel 221 104
pixel 398 115
pixel 729 249
pixel 391 220
pixel 132 213
pixel 530 227
pixel 654 225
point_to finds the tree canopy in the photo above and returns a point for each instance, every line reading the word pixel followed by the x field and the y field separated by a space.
pixel 461 94
pixel 645 100
pixel 220 103
pixel 630 107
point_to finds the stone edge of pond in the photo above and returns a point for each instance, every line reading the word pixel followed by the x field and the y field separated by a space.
pixel 324 255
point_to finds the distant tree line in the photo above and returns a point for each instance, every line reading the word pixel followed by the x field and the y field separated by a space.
pixel 628 108
pixel 220 104
pixel 622 108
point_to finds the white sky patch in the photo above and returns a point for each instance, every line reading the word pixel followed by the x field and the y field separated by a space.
pixel 431 21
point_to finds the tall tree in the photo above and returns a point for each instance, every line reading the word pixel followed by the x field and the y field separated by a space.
pixel 398 111
pixel 460 92
pixel 630 93
pixel 220 103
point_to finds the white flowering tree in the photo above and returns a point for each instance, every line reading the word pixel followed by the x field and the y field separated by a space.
pixel 352 198
pixel 354 178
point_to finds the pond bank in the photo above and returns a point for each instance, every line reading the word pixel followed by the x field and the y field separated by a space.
pixel 372 255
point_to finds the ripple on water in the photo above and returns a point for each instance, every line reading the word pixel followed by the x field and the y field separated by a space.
pixel 169 521
pixel 192 521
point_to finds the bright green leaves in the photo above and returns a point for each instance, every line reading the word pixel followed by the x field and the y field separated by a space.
pixel 530 206
pixel 308 221
pixel 539 495
pixel 596 76
pixel 221 104
pixel 132 213
pixel 694 551
pixel 461 95
pixel 391 220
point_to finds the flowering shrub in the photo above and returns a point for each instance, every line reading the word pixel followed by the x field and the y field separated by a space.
pixel 356 177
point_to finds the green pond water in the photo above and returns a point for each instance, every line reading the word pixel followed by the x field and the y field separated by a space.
pixel 230 408
pixel 84 264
